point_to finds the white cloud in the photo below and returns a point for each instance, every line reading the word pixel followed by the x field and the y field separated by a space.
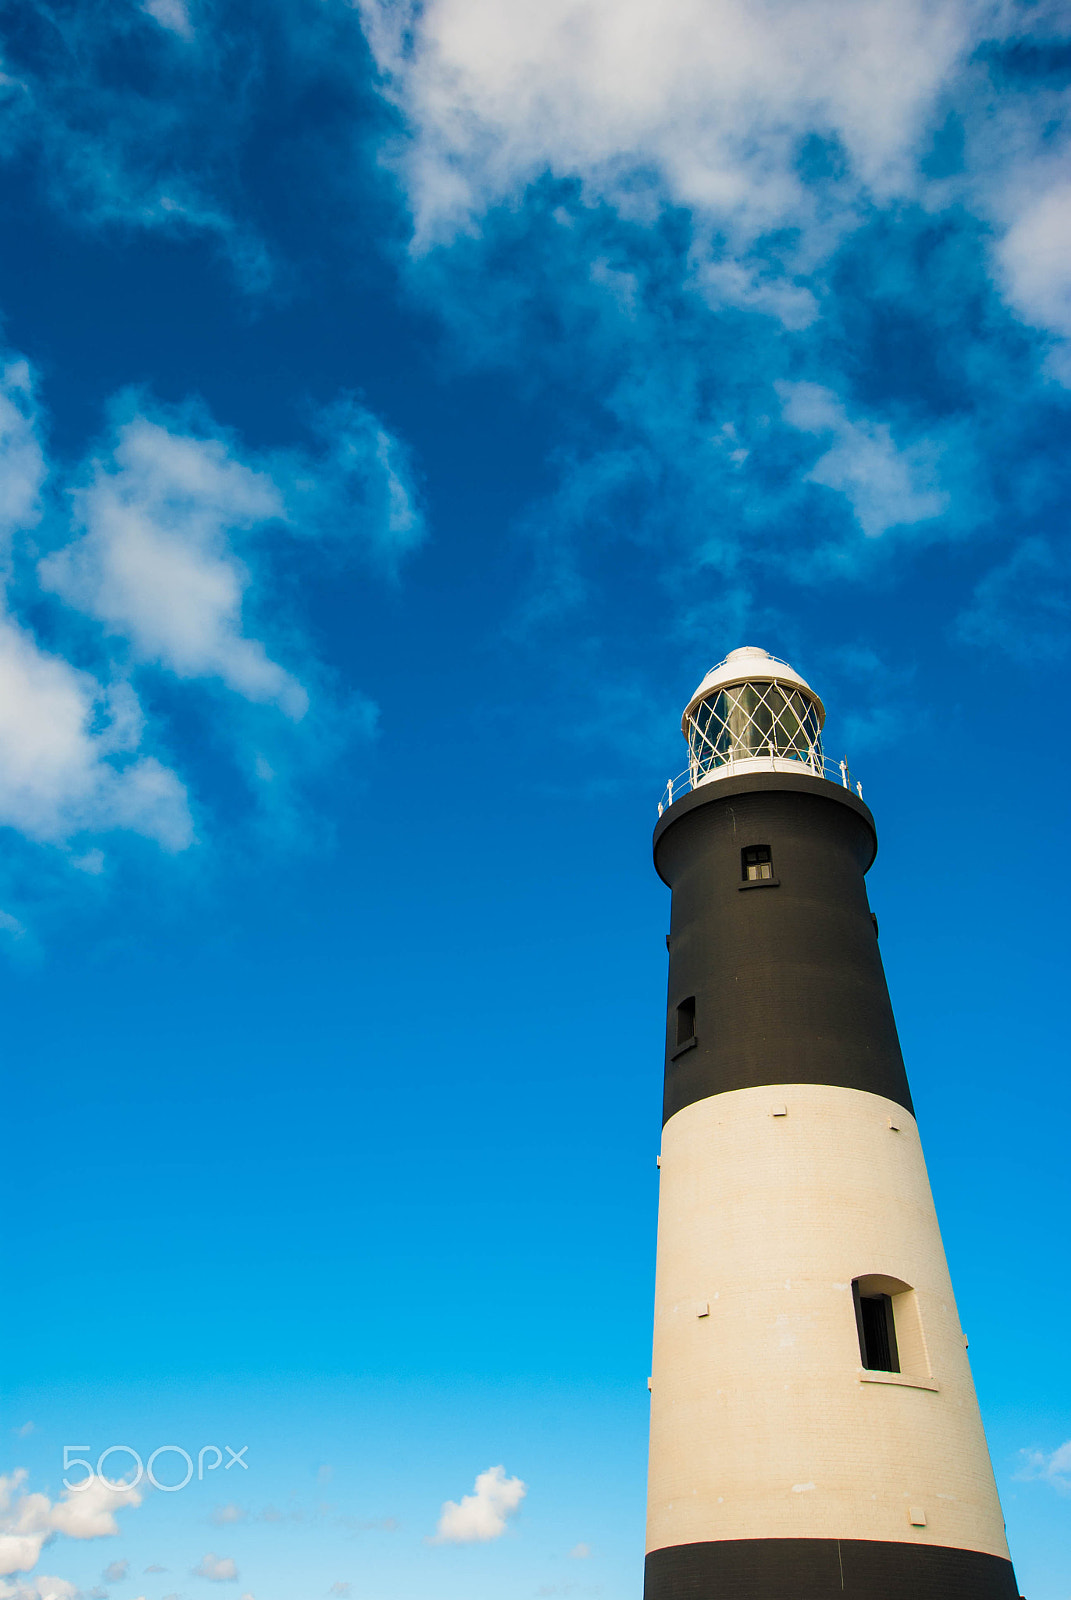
pixel 580 1552
pixel 220 1569
pixel 709 95
pixel 89 1513
pixel 39 1587
pixel 156 565
pixel 481 1516
pixel 885 486
pixel 67 759
pixel 68 742
pixel 1035 261
pixel 1051 1466
pixel 170 14
pixel 709 105
pixel 115 1571
pixel 23 464
pixel 223 1516
pixel 29 1521
pixel 360 488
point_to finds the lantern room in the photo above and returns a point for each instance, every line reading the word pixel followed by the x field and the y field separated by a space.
pixel 753 713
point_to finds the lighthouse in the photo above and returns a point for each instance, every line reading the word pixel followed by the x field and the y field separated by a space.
pixel 814 1427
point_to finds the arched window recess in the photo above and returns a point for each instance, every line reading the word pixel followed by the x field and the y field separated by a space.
pixel 892 1342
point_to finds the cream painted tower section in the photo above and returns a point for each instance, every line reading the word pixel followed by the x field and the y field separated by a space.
pixel 764 1423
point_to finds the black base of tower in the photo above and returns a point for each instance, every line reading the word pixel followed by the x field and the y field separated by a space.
pixel 825 1569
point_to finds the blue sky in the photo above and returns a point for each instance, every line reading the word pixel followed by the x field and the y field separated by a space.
pixel 402 407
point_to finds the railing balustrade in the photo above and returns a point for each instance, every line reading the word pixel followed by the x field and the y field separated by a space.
pixel 812 765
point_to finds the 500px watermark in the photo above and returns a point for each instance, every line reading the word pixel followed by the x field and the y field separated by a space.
pixel 145 1470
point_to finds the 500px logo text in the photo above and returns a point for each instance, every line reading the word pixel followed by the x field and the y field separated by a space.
pixel 146 1470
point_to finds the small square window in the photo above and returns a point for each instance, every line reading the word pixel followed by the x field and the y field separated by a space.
pixel 686 1021
pixel 756 863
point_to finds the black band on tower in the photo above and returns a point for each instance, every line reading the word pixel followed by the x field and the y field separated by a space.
pixel 774 962
pixel 825 1569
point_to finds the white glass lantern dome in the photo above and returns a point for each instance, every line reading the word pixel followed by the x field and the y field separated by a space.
pixel 753 713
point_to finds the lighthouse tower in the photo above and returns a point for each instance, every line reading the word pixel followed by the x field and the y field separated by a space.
pixel 814 1427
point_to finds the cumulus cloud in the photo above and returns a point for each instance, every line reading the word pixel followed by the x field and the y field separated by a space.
pixel 885 486
pixel 482 1515
pixel 39 1587
pixel 708 95
pixel 220 1569
pixel 115 1571
pixel 758 118
pixel 156 566
pixel 89 1512
pixel 580 1552
pixel 29 1521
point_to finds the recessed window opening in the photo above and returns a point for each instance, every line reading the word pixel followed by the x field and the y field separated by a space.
pixel 756 863
pixel 686 1020
pixel 877 1331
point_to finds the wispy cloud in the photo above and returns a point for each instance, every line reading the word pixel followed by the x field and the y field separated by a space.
pixel 1052 1467
pixel 358 490
pixel 1023 605
pixel 799 270
pixel 226 1516
pixel 125 112
pixel 885 486
pixel 174 15
pixel 162 567
pixel 218 1569
pixel 156 563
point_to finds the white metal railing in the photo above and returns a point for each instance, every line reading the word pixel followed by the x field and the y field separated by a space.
pixel 815 766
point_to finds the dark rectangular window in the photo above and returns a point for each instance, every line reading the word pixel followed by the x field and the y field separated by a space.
pixel 877 1333
pixel 686 1021
pixel 756 863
